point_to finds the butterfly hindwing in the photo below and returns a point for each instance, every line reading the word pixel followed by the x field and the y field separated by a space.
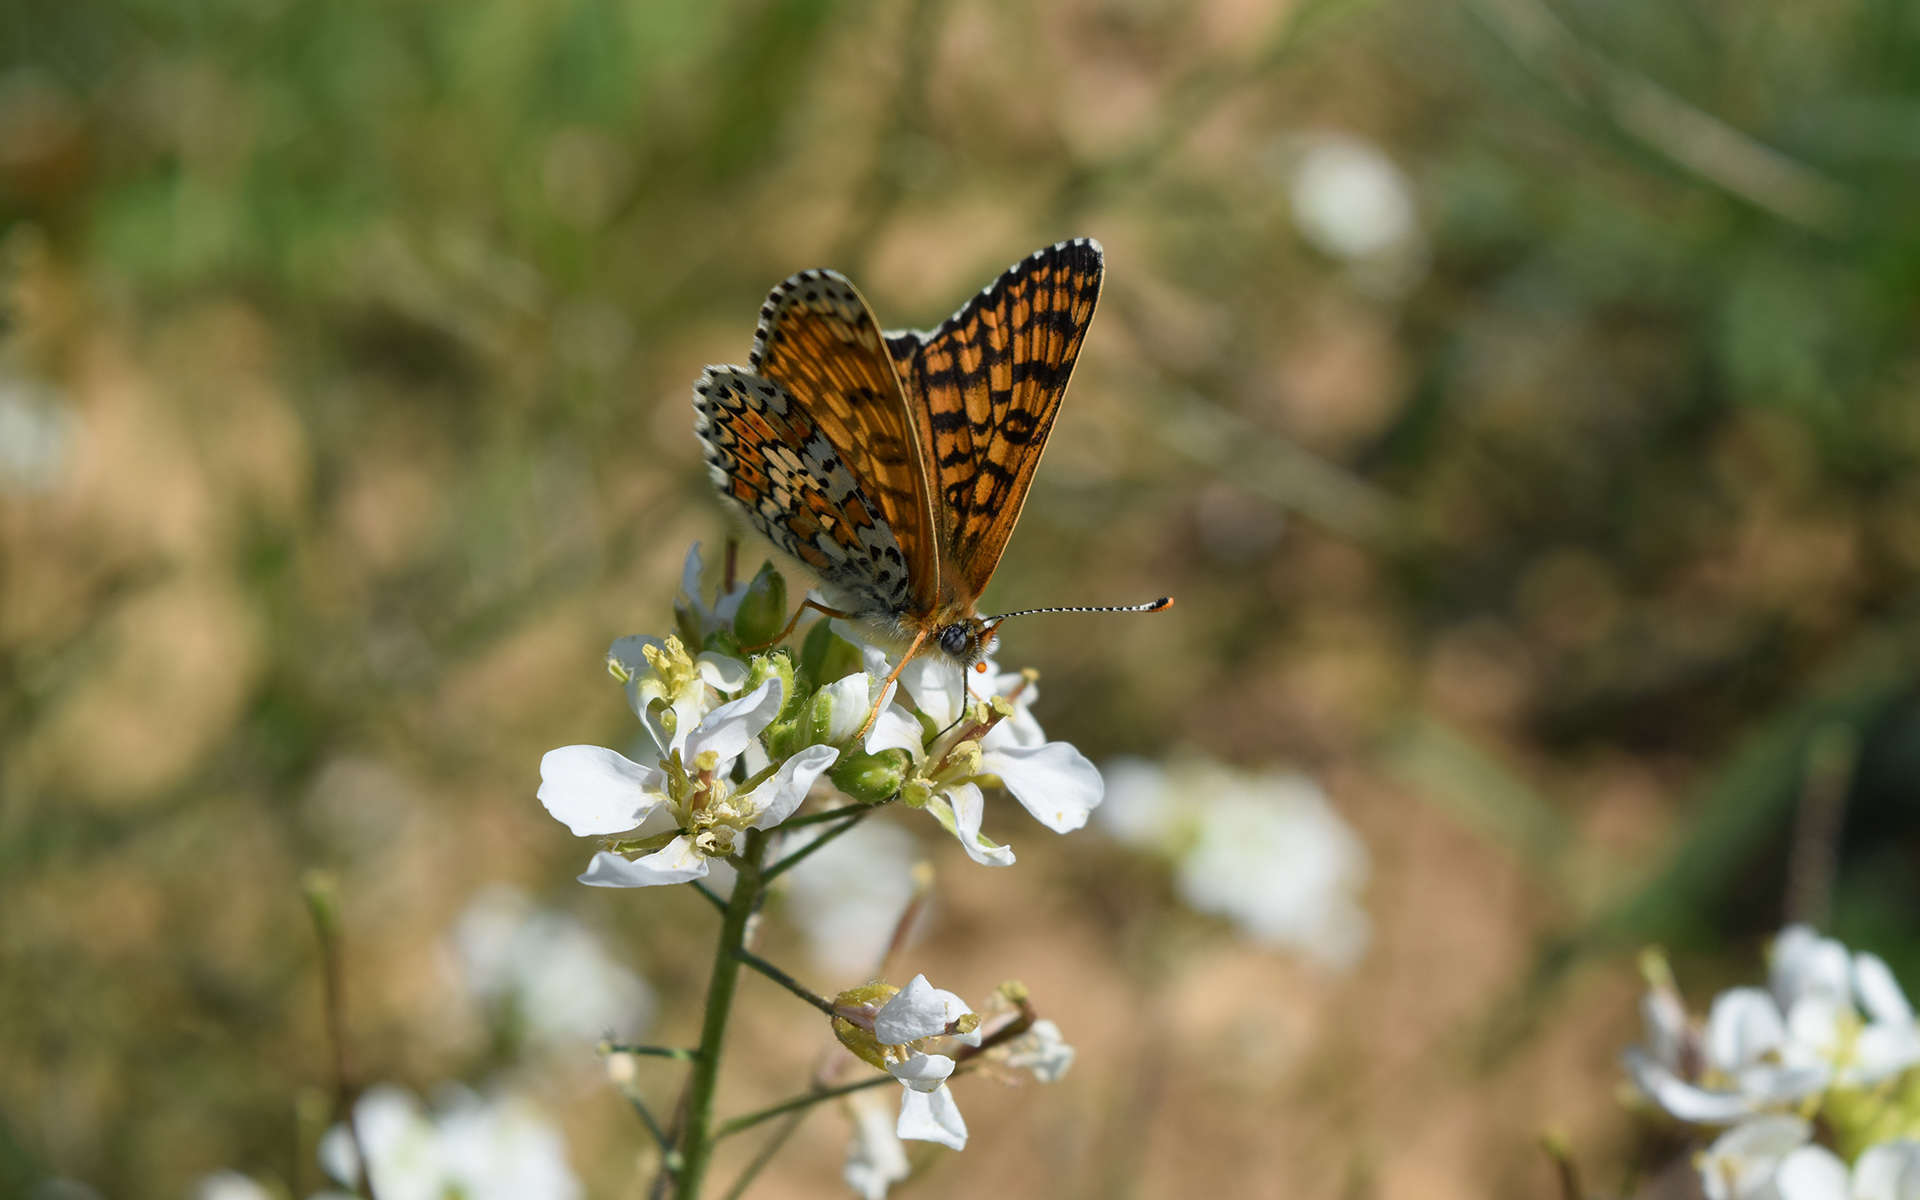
pixel 987 385
pixel 792 483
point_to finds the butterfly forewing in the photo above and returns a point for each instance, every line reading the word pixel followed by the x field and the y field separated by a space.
pixel 814 443
pixel 987 384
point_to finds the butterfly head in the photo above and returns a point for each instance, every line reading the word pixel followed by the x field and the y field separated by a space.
pixel 968 641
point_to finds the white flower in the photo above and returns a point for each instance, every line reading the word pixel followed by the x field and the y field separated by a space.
pixel 927 1108
pixel 1265 850
pixel 546 969
pixel 1041 1051
pixel 726 601
pixel 1350 201
pixel 1845 1014
pixel 1053 781
pixel 1770 1158
pixel 596 791
pixel 1739 1073
pixel 670 692
pixel 475 1148
pixel 875 1158
pixel 851 893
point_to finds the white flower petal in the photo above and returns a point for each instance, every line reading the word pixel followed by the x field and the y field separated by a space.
pixel 1054 782
pixel 917 1010
pixel 728 729
pixel 966 809
pixel 676 862
pixel 1743 1027
pixel 1665 1019
pixel 938 686
pixel 895 729
pixel 724 672
pixel 850 699
pixel 1889 1171
pixel 631 652
pixel 932 1117
pixel 593 790
pixel 1682 1100
pixel 690 573
pixel 777 797
pixel 875 1158
pixel 1879 992
pixel 1811 1173
pixel 1883 1051
pixel 1742 1162
pixel 1806 964
pixel 1041 1051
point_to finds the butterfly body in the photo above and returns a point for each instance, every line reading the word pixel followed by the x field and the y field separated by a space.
pixel 894 465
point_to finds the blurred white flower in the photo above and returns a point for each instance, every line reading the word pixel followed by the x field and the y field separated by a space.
pixel 546 970
pixel 1770 1158
pixel 36 436
pixel 1266 850
pixel 1041 1051
pixel 692 606
pixel 875 1158
pixel 1349 199
pixel 1733 1070
pixel 850 893
pixel 229 1185
pixel 472 1147
pixel 1353 204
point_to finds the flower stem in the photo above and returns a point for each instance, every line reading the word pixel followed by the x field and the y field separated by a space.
pixel 793 860
pixel 751 1119
pixel 786 981
pixel 697 1137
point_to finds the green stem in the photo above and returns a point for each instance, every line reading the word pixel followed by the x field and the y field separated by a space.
pixel 787 981
pixel 696 1136
pixel 793 860
pixel 766 1114
pixel 651 1051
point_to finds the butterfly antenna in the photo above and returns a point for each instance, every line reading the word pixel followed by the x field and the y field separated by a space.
pixel 1164 602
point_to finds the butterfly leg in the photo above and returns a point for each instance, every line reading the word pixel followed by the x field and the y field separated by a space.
pixel 874 713
pixel 808 603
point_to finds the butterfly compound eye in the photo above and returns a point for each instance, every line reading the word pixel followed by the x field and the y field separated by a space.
pixel 954 639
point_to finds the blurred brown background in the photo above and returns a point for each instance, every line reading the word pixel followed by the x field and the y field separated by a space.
pixel 1518 395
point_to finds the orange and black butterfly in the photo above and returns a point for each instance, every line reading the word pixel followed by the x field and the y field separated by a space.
pixel 895 464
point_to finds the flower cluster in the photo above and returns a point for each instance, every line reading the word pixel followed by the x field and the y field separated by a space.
pixel 475 1147
pixel 736 735
pixel 1825 1052
pixel 736 741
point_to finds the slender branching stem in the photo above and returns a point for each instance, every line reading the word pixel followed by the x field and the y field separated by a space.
pixel 785 980
pixel 742 1123
pixel 679 1052
pixel 793 860
pixel 712 897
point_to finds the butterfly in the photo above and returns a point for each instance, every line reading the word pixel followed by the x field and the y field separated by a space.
pixel 895 464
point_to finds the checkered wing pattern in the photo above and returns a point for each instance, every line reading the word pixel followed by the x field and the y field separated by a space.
pixel 986 386
pixel 813 442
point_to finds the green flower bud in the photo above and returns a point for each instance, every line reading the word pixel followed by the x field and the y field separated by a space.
pixel 871 778
pixel 763 611
pixel 826 656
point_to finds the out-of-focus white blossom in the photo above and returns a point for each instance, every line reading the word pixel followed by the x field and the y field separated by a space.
pixel 468 1146
pixel 546 971
pixel 1351 203
pixel 230 1185
pixel 851 893
pixel 876 1160
pixel 1831 1038
pixel 1265 850
pixel 1041 1052
pixel 36 436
